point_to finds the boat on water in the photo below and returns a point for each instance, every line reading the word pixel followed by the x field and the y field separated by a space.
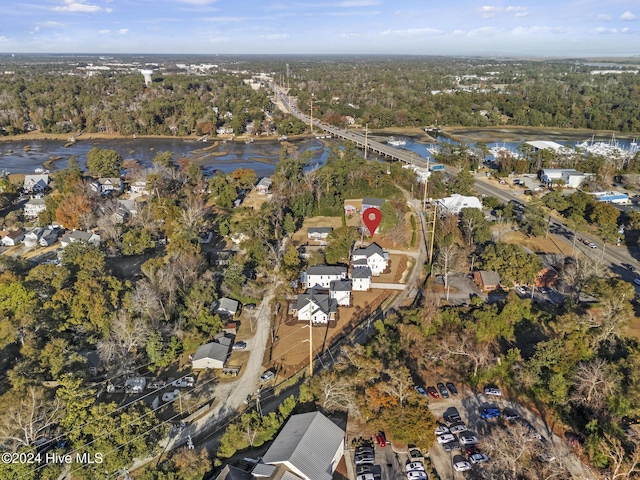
pixel 396 142
pixel 612 148
pixel 433 149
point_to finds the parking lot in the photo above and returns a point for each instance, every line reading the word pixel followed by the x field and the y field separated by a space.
pixel 389 462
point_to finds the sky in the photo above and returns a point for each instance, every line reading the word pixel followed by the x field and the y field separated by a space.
pixel 541 28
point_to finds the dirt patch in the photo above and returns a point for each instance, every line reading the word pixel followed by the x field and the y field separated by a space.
pixel 255 200
pixel 537 244
pixel 290 348
pixel 300 237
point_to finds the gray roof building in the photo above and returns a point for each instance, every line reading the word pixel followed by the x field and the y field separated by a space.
pixel 369 250
pixel 210 355
pixel 321 301
pixel 361 272
pixel 326 270
pixel 310 445
pixel 229 472
pixel 368 202
pixel 226 306
pixel 340 285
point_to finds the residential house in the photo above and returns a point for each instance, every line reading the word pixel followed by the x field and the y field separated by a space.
pixel 340 291
pixel 320 308
pixel 79 236
pixel 126 210
pixel 11 239
pixel 226 306
pixel 264 185
pixel 349 209
pixel 107 185
pixel 360 279
pixel 369 202
pixel 32 237
pixel 34 206
pixel 309 446
pixel 49 237
pixel 212 355
pixel 455 203
pixel 229 472
pixel 322 275
pixel 487 281
pixel 319 233
pixel 35 183
pixel 139 188
pixel 372 256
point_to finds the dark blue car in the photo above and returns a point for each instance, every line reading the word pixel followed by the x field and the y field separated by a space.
pixel 490 412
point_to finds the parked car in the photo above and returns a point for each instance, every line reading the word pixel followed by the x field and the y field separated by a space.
pixel 451 415
pixel 444 393
pixel 156 384
pixel 415 466
pixel 415 454
pixel 420 390
pixel 364 468
pixel 510 414
pixel 268 375
pixel 543 290
pixel 239 346
pixel 471 449
pixel 446 438
pixel 494 391
pixel 366 476
pixel 478 458
pixel 461 464
pixel 452 388
pixel 441 430
pixel 170 396
pixel 416 475
pixel 467 438
pixel 433 392
pixel 457 427
pixel 636 281
pixel 450 446
pixel 521 290
pixel 364 458
pixel 490 412
pixel 184 382
pixel 381 439
pixel 592 245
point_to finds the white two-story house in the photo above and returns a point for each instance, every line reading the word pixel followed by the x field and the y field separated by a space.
pixel 340 291
pixel 373 257
pixel 320 308
pixel 322 275
pixel 360 279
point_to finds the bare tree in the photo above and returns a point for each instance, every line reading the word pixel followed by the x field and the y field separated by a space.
pixel 448 261
pixel 334 392
pixel 128 334
pixel 454 343
pixel 621 463
pixel 593 383
pixel 399 384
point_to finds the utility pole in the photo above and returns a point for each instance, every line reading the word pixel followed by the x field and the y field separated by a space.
pixel 310 338
pixel 433 234
pixel 311 116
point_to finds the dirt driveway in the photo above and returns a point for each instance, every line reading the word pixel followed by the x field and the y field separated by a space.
pixel 468 405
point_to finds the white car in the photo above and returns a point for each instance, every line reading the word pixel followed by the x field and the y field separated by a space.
pixel 521 290
pixel 366 476
pixel 186 382
pixel 494 391
pixel 462 466
pixel 478 458
pixel 441 430
pixel 170 396
pixel 468 439
pixel 457 427
pixel 416 475
pixel 415 467
pixel 446 438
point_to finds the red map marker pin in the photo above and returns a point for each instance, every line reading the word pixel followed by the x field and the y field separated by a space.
pixel 372 218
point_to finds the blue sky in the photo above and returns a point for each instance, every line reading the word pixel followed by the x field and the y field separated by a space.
pixel 424 27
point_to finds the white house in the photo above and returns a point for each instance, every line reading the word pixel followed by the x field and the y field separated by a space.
pixel 139 188
pixel 455 203
pixel 318 233
pixel 107 185
pixel 360 279
pixel 371 256
pixel 35 183
pixel 49 237
pixel 212 355
pixel 34 206
pixel 310 446
pixel 79 236
pixel 226 306
pixel 369 202
pixel 320 308
pixel 32 237
pixel 340 291
pixel 12 239
pixel 322 275
pixel 264 185
pixel 571 177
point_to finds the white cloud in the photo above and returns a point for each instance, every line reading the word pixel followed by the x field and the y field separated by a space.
pixel 78 6
pixel 123 31
pixel 104 31
pixel 275 36
pixel 518 11
pixel 350 35
pixel 484 32
pixel 604 31
pixel 198 2
pixel 488 11
pixel 604 17
pixel 412 32
pixel 458 33
pixel 227 19
pixel 628 16
pixel 537 30
pixel 53 24
pixel 626 30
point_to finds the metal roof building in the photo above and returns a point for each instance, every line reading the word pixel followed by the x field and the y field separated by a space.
pixel 310 445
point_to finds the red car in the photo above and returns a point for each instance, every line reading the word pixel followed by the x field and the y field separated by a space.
pixel 433 392
pixel 381 438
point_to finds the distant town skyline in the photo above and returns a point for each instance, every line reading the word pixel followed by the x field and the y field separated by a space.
pixel 541 28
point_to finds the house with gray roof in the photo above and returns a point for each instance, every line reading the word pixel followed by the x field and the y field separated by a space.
pixel 229 472
pixel 34 206
pixel 226 306
pixel 211 355
pixel 264 185
pixel 79 236
pixel 318 233
pixel 360 279
pixel 309 446
pixel 372 256
pixel 320 308
pixel 106 185
pixel 322 275
pixel 370 202
pixel 49 237
pixel 340 291
pixel 35 183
